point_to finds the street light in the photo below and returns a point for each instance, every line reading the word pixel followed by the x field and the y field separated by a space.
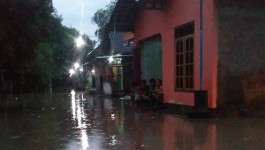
pixel 93 71
pixel 71 71
pixel 79 41
pixel 76 65
pixel 110 59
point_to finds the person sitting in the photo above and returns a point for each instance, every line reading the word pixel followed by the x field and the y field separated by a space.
pixel 152 85
pixel 159 87
pixel 139 92
pixel 158 92
pixel 144 90
pixel 137 95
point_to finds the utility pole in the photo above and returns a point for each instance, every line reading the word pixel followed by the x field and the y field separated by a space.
pixel 201 45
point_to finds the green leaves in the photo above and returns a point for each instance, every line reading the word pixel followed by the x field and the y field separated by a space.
pixel 43 63
pixel 34 46
pixel 102 17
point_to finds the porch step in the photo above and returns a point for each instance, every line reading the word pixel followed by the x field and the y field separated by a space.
pixel 187 111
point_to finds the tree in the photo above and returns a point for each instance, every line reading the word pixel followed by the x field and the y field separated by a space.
pixel 35 47
pixel 102 17
pixel 23 25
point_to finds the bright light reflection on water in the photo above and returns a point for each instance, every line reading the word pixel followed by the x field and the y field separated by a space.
pixel 84 139
pixel 71 124
pixel 73 103
pixel 79 115
pixel 113 140
pixel 113 116
pixel 79 119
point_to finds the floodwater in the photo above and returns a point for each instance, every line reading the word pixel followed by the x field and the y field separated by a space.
pixel 82 122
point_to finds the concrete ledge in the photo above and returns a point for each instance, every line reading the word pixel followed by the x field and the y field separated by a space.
pixel 187 111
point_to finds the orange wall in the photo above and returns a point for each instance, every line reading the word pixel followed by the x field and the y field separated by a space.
pixel 176 13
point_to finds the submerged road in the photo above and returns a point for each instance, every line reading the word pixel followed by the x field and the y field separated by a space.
pixel 83 122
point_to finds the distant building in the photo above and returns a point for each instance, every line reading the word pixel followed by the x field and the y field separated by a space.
pixel 121 51
pixel 96 69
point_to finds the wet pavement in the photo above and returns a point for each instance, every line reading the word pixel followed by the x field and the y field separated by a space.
pixel 73 122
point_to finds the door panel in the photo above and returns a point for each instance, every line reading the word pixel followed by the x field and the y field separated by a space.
pixel 151 59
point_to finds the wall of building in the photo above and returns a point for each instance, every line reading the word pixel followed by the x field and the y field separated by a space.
pixel 127 73
pixel 99 68
pixel 241 45
pixel 164 22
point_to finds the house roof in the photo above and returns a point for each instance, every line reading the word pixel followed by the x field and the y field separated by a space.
pixel 122 20
pixel 123 16
pixel 91 56
pixel 118 43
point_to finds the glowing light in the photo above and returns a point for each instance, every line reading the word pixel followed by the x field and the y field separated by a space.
pixel 73 104
pixel 79 41
pixel 81 69
pixel 93 71
pixel 71 71
pixel 76 65
pixel 113 140
pixel 112 116
pixel 110 59
pixel 84 139
pixel 79 116
pixel 72 92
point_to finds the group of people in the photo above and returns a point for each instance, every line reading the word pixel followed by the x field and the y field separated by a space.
pixel 148 95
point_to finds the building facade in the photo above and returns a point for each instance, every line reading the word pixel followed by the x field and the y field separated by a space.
pixel 202 50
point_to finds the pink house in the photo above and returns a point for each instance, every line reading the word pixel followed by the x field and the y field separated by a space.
pixel 207 52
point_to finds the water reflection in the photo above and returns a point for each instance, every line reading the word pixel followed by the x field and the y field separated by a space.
pixel 112 116
pixel 188 134
pixel 84 139
pixel 73 103
pixel 120 115
pixel 108 104
pixel 80 116
pixel 113 140
pixel 83 122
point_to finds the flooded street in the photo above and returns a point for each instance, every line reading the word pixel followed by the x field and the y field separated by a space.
pixel 73 122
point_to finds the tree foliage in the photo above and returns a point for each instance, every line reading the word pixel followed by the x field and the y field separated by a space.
pixel 35 47
pixel 102 17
